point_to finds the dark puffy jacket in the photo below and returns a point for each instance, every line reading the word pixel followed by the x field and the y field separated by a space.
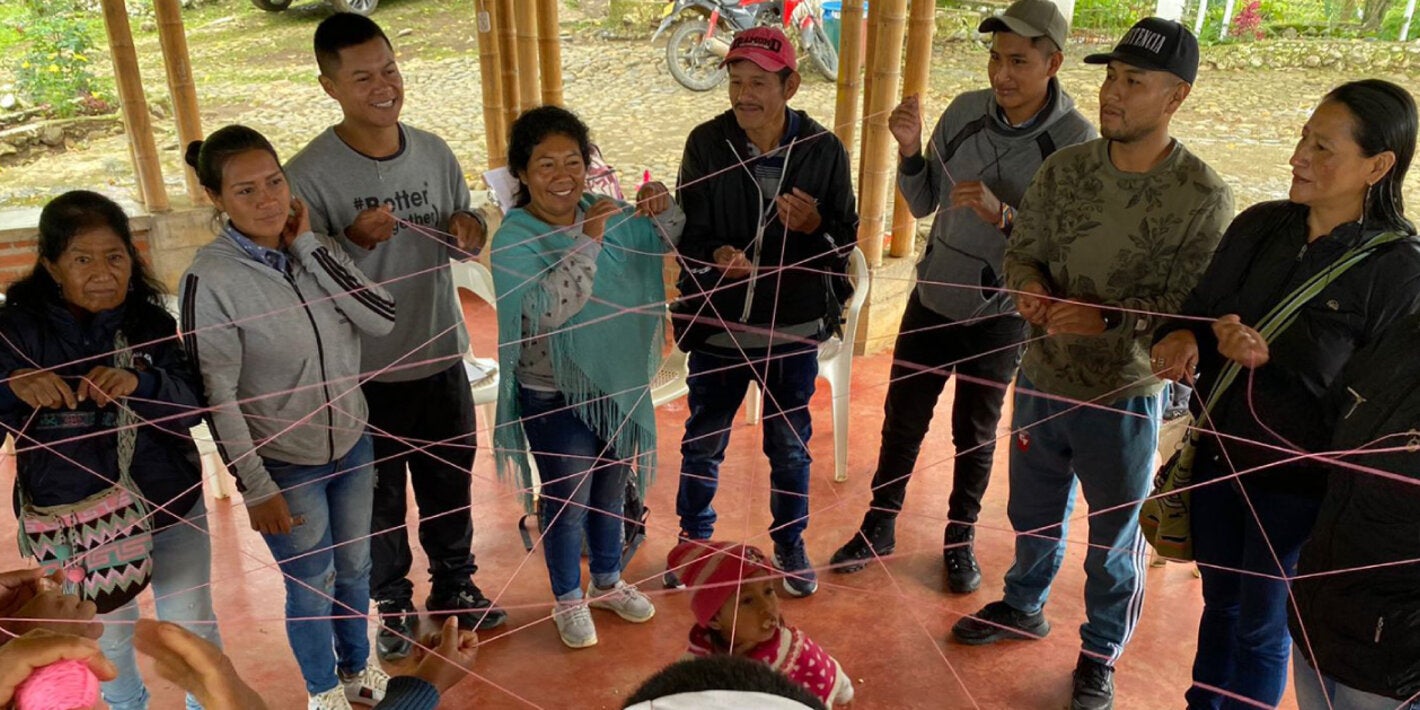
pixel 801 278
pixel 1263 258
pixel 1363 627
pixel 165 466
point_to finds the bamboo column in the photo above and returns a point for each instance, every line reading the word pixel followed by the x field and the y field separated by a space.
pixel 850 75
pixel 549 42
pixel 508 55
pixel 529 92
pixel 180 86
pixel 873 14
pixel 920 27
pixel 495 129
pixel 878 163
pixel 135 107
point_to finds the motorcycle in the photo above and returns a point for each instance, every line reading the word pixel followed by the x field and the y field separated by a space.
pixel 704 29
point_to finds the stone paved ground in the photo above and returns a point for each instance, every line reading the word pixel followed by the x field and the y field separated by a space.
pixel 254 68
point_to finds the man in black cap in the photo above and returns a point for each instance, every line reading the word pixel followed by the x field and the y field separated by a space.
pixel 1110 235
pixel 981 156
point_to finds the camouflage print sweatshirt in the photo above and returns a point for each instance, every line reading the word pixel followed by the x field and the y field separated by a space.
pixel 1090 232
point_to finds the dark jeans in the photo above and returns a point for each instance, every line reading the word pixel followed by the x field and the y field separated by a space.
pixel 438 408
pixel 929 349
pixel 1243 643
pixel 717 387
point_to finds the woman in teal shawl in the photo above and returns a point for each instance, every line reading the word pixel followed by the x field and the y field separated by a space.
pixel 581 307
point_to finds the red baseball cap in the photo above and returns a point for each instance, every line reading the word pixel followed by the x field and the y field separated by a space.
pixel 767 47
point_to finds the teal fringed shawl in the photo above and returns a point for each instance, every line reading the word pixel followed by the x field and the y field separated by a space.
pixel 604 357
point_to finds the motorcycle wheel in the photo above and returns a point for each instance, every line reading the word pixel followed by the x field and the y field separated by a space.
pixel 822 52
pixel 690 61
pixel 359 7
pixel 271 5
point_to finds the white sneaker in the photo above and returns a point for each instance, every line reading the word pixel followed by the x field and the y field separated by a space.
pixel 574 624
pixel 366 687
pixel 333 699
pixel 626 600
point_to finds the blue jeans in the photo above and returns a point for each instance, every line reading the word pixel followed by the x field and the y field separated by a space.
pixel 717 387
pixel 1324 693
pixel 579 472
pixel 1110 452
pixel 182 575
pixel 1242 636
pixel 330 552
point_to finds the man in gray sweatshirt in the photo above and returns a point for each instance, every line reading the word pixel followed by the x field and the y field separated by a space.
pixel 382 188
pixel 982 155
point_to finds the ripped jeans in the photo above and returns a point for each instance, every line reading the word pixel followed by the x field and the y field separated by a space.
pixel 325 562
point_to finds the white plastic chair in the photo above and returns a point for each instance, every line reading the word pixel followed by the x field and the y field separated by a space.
pixel 213 469
pixel 482 372
pixel 835 364
pixel 669 382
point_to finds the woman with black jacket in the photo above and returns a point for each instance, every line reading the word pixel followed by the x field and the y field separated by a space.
pixel 1248 527
pixel 62 394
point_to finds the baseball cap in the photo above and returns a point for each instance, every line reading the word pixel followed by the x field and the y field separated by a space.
pixel 767 47
pixel 1156 44
pixel 1030 18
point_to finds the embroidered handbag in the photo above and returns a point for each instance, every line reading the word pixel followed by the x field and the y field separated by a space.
pixel 1165 517
pixel 102 544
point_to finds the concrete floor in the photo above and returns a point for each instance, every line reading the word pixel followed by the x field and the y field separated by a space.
pixel 888 625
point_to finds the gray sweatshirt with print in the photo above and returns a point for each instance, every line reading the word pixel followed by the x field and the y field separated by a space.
pixel 424 185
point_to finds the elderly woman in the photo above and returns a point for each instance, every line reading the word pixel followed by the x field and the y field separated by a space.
pixel 99 394
pixel 1342 253
pixel 579 325
pixel 272 313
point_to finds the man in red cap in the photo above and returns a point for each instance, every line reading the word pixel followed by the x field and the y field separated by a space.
pixel 770 224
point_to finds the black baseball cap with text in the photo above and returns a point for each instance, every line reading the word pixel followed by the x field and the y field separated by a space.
pixel 1156 44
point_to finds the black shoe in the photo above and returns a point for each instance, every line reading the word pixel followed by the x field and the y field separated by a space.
pixel 1000 621
pixel 398 620
pixel 963 574
pixel 1094 685
pixel 876 536
pixel 800 580
pixel 473 609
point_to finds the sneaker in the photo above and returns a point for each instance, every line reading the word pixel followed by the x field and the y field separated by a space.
pixel 398 619
pixel 997 621
pixel 671 580
pixel 474 610
pixel 963 574
pixel 626 600
pixel 876 536
pixel 800 580
pixel 574 624
pixel 333 699
pixel 1094 685
pixel 366 687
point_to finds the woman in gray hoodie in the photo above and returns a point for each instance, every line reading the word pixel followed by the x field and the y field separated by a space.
pixel 272 314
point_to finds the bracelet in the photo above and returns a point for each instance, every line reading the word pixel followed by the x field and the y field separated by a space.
pixel 1008 217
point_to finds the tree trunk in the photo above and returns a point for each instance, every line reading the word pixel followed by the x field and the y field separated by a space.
pixel 1375 14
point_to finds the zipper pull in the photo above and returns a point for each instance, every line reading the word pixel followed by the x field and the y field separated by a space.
pixel 1380 627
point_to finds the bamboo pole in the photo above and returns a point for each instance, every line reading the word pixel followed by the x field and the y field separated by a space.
pixel 135 107
pixel 180 86
pixel 549 42
pixel 874 13
pixel 495 129
pixel 884 73
pixel 850 75
pixel 920 27
pixel 529 92
pixel 508 55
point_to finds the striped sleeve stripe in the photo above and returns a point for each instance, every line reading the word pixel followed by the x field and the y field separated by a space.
pixel 352 286
pixel 187 316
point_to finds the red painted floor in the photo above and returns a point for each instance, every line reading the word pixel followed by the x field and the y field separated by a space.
pixel 887 625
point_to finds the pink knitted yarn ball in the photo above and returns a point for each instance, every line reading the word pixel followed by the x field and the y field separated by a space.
pixel 62 685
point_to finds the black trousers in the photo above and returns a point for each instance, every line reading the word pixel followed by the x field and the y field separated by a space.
pixel 438 408
pixel 929 349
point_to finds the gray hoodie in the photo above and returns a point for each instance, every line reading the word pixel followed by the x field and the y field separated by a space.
pixel 280 353
pixel 960 275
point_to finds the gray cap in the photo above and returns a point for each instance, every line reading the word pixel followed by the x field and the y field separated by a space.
pixel 1030 18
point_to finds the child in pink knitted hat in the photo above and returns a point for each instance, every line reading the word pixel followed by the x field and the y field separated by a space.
pixel 736 608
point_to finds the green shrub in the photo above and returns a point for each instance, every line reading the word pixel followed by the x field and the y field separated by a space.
pixel 55 67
